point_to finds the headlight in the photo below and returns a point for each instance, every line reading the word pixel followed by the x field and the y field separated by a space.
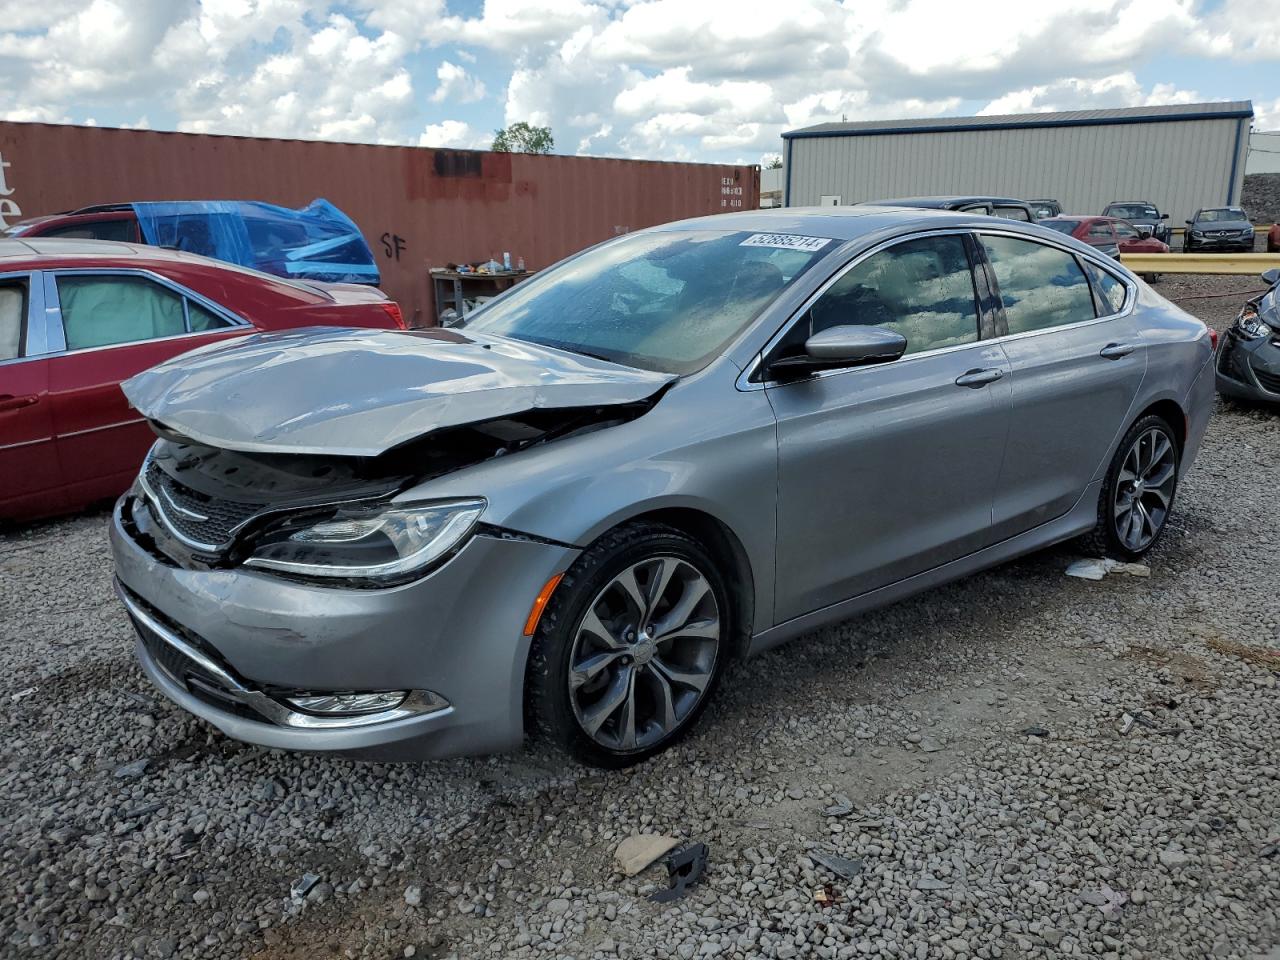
pixel 1251 325
pixel 385 543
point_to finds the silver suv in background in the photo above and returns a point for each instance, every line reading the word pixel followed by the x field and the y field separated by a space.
pixel 682 446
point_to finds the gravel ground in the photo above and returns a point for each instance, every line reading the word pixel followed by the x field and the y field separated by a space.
pixel 964 747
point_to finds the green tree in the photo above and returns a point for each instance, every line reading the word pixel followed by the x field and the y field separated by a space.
pixel 772 161
pixel 520 137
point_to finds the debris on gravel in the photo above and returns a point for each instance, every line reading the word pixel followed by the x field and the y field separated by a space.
pixel 902 740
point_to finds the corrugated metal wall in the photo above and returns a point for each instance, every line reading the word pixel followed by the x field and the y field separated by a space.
pixel 1178 165
pixel 444 206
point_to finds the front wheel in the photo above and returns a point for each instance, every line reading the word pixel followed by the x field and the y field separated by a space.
pixel 1137 492
pixel 631 646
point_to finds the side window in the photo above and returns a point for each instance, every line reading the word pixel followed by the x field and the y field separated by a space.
pixel 102 230
pixel 1126 232
pixel 922 288
pixel 201 319
pixel 13 311
pixel 976 208
pixel 1101 230
pixel 97 310
pixel 1041 286
pixel 1013 213
pixel 1110 292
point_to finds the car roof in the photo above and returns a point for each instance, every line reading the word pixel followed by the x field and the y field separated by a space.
pixel 943 202
pixel 1136 203
pixel 839 223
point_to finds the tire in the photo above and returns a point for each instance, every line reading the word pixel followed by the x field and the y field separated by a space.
pixel 1113 536
pixel 637 667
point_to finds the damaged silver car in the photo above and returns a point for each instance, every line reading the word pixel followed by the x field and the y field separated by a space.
pixel 677 448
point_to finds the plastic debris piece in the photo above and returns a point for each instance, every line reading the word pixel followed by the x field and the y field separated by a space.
pixel 639 850
pixel 1097 568
pixel 685 868
pixel 1036 731
pixel 841 806
pixel 302 886
pixel 844 868
pixel 827 896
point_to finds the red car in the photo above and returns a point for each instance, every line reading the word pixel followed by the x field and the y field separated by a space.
pixel 79 316
pixel 1111 234
pixel 1273 239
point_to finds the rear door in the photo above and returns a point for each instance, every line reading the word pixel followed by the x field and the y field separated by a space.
pixel 116 324
pixel 1077 363
pixel 29 477
pixel 886 471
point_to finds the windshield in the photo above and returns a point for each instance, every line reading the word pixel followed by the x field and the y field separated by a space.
pixel 1133 211
pixel 665 300
pixel 1224 213
pixel 1062 226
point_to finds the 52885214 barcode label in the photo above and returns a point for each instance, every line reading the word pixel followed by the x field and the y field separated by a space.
pixel 785 241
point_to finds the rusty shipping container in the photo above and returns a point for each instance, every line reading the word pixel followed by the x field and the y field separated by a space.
pixel 418 207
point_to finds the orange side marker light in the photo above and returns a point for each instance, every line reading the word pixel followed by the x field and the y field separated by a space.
pixel 539 602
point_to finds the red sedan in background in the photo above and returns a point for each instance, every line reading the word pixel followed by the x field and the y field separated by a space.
pixel 1111 234
pixel 79 316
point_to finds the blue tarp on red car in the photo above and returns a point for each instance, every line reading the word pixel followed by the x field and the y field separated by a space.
pixel 317 242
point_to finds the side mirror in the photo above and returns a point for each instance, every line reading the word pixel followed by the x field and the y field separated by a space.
pixel 1271 277
pixel 844 346
pixel 1164 216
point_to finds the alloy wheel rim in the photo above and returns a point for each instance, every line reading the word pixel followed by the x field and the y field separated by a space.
pixel 644 653
pixel 1144 489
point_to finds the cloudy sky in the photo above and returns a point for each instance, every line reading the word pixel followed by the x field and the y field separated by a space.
pixel 661 79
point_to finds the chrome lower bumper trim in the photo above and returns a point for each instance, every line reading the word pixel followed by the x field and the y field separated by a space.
pixel 418 703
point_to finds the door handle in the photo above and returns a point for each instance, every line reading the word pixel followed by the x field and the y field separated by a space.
pixel 979 378
pixel 9 402
pixel 1114 351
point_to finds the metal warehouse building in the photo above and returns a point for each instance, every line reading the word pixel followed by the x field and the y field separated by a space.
pixel 1179 157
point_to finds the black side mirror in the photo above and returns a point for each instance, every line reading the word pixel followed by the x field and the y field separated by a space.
pixel 839 347
pixel 1271 277
pixel 1164 216
pixel 1188 222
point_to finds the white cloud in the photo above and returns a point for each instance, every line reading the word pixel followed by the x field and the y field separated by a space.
pixel 456 134
pixel 456 84
pixel 700 79
pixel 1117 90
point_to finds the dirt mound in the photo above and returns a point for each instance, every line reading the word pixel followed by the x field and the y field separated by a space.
pixel 1262 196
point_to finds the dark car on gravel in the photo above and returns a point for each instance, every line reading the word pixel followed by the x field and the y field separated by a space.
pixel 1141 213
pixel 1249 354
pixel 1219 228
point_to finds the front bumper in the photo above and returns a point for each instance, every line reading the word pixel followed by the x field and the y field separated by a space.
pixel 457 633
pixel 1238 244
pixel 1249 369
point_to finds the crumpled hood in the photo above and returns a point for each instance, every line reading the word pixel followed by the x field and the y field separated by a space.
pixel 361 392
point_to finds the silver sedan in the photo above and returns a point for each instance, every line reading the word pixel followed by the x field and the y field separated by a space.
pixel 685 445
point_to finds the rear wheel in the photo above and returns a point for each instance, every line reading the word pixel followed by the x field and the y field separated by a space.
pixel 630 647
pixel 1138 491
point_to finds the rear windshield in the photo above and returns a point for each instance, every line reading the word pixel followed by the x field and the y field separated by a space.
pixel 1062 226
pixel 665 300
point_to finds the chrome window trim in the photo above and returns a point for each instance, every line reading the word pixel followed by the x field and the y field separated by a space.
pixel 745 383
pixel 51 292
pixel 33 339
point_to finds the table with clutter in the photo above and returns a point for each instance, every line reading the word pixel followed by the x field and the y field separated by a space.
pixel 461 288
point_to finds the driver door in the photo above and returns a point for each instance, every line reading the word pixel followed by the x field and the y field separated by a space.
pixel 887 471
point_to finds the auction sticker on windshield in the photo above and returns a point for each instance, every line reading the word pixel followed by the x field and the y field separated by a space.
pixel 785 241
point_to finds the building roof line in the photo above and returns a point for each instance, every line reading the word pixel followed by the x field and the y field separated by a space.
pixel 1081 118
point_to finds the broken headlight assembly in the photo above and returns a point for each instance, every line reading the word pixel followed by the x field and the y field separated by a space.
pixel 1251 325
pixel 392 542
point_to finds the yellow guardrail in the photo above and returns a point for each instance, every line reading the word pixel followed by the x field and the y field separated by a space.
pixel 1238 264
